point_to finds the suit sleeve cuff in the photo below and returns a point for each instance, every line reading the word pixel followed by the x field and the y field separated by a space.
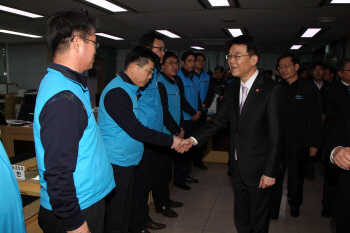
pixel 331 157
pixel 74 222
pixel 195 141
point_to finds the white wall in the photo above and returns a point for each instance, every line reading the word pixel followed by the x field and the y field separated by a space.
pixel 27 65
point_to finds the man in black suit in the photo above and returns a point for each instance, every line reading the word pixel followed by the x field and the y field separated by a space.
pixel 303 132
pixel 254 107
pixel 332 102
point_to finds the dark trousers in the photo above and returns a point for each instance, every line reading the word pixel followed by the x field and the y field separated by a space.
pixel 277 191
pixel 331 175
pixel 183 162
pixel 119 201
pixel 251 205
pixel 198 156
pixel 296 160
pixel 160 191
pixel 94 217
pixel 144 179
pixel 341 205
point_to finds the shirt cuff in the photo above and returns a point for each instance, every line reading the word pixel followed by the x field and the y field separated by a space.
pixel 331 157
pixel 195 141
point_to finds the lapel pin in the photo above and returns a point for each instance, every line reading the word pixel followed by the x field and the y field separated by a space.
pixel 257 90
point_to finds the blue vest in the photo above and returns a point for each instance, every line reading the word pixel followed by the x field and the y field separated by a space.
pixel 150 105
pixel 122 150
pixel 204 80
pixel 93 175
pixel 11 211
pixel 191 88
pixel 174 102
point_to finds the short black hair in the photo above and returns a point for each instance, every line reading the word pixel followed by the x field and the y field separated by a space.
pixel 220 68
pixel 199 54
pixel 249 41
pixel 342 63
pixel 268 72
pixel 141 56
pixel 147 39
pixel 169 54
pixel 64 25
pixel 210 73
pixel 332 70
pixel 317 63
pixel 292 56
pixel 186 54
pixel 300 71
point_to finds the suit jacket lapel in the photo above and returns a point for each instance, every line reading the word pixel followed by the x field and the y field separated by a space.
pixel 253 93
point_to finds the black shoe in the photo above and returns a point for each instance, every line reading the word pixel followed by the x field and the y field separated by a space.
pixel 155 226
pixel 294 212
pixel 191 180
pixel 200 165
pixel 167 212
pixel 183 186
pixel 326 212
pixel 174 204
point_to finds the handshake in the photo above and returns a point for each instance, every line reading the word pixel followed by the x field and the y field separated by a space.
pixel 182 145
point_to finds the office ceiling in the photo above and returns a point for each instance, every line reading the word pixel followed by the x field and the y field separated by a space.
pixel 276 24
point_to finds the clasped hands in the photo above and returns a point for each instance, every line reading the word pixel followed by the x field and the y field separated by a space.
pixel 182 145
pixel 341 157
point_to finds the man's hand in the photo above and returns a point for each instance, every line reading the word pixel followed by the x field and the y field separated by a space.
pixel 182 133
pixel 221 97
pixel 341 157
pixel 313 151
pixel 82 229
pixel 187 143
pixel 266 182
pixel 197 116
pixel 204 106
pixel 323 117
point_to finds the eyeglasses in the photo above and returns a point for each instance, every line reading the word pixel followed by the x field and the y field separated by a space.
pixel 285 67
pixel 97 44
pixel 172 63
pixel 237 56
pixel 150 72
pixel 160 48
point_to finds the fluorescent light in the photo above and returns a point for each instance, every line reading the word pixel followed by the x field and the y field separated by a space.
pixel 19 12
pixel 19 33
pixel 295 47
pixel 167 33
pixel 196 47
pixel 340 1
pixel 107 5
pixel 109 36
pixel 310 32
pixel 235 32
pixel 219 3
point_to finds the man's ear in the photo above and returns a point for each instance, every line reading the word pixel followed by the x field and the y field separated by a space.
pixel 77 43
pixel 254 60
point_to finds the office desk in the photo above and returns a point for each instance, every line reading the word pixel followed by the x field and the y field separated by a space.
pixel 11 133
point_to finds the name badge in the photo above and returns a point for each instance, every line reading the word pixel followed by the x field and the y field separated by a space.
pixel 298 97
pixel 19 172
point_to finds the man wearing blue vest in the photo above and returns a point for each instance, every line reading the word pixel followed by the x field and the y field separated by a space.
pixel 151 116
pixel 206 91
pixel 171 102
pixel 189 87
pixel 75 174
pixel 124 134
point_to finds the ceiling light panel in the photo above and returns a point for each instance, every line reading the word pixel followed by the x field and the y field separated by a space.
pixel 108 36
pixel 19 33
pixel 310 32
pixel 341 1
pixel 197 47
pixel 295 47
pixel 168 34
pixel 219 3
pixel 235 32
pixel 107 5
pixel 19 12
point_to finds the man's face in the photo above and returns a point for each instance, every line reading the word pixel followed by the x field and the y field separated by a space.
pixel 327 75
pixel 317 72
pixel 158 48
pixel 218 74
pixel 304 74
pixel 287 69
pixel 345 75
pixel 170 67
pixel 241 67
pixel 189 63
pixel 200 62
pixel 142 75
pixel 89 52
